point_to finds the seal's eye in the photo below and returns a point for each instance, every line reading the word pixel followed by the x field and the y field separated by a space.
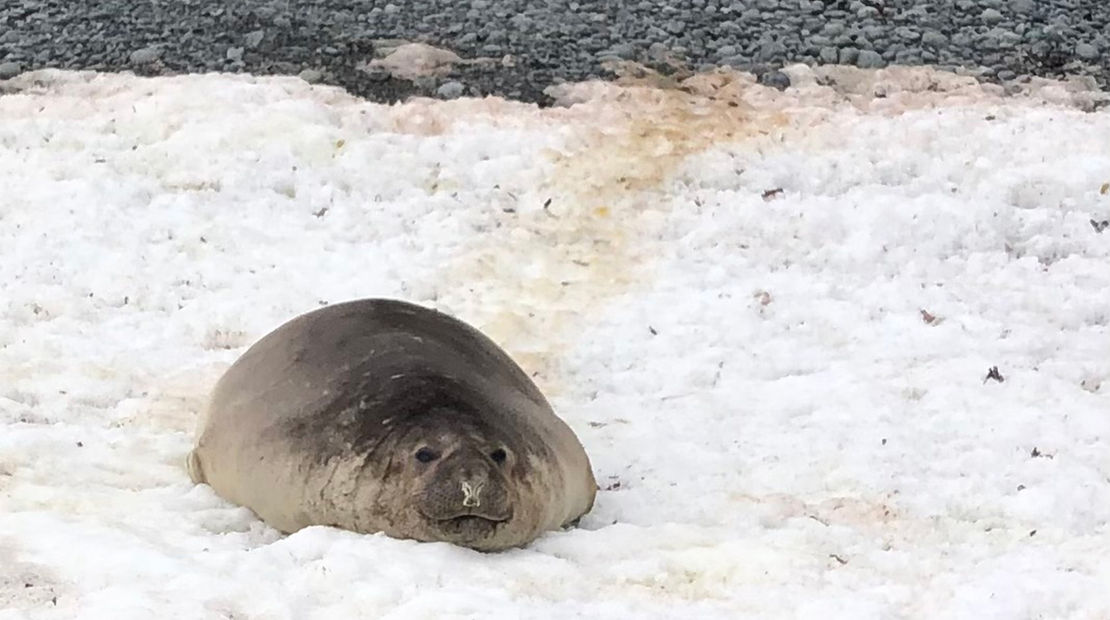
pixel 498 456
pixel 426 455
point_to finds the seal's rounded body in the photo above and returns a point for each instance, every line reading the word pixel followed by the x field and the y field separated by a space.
pixel 382 416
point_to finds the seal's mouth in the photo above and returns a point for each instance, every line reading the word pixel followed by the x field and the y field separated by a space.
pixel 467 517
pixel 469 526
pixel 463 516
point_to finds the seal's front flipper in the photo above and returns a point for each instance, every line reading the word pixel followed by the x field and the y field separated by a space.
pixel 570 525
pixel 192 463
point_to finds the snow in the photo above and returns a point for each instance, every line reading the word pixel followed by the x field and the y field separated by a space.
pixel 784 397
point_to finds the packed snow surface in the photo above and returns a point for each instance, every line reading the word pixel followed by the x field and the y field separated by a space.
pixel 769 316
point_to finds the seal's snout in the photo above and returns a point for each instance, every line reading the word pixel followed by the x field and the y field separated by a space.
pixel 472 493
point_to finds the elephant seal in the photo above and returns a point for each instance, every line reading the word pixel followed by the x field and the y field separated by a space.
pixel 378 415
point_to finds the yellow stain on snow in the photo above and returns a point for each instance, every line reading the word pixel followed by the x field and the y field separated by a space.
pixel 538 280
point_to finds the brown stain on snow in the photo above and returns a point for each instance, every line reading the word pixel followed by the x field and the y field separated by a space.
pixel 540 277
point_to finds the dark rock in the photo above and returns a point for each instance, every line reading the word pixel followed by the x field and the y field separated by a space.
pixel 775 79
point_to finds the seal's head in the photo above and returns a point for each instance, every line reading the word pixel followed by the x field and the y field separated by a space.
pixel 463 487
pixel 461 482
pixel 448 474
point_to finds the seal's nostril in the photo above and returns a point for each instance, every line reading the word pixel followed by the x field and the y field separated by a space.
pixel 498 456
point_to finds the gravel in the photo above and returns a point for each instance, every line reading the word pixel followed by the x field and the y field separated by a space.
pixel 530 45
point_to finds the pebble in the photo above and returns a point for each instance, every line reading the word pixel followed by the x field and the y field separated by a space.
pixel 908 57
pixel 311 76
pixel 451 89
pixel 991 16
pixel 9 70
pixel 624 50
pixel 907 34
pixel 738 60
pixel 1086 51
pixel 934 39
pixel 869 59
pixel 254 39
pixel 145 55
pixel 771 50
pixel 989 41
pixel 875 32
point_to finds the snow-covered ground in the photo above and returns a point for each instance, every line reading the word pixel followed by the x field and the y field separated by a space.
pixel 784 396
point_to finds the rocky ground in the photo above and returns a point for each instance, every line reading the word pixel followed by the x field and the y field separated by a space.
pixel 532 44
